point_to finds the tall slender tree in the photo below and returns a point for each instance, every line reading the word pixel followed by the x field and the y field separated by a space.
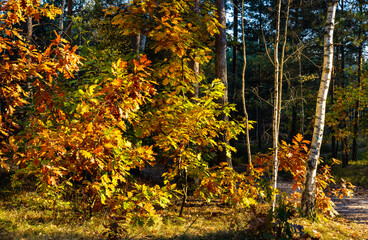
pixel 235 44
pixel 69 18
pixel 308 203
pixel 61 18
pixel 193 64
pixel 357 104
pixel 278 66
pixel 249 153
pixel 221 72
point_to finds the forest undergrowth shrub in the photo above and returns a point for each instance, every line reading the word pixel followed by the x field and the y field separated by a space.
pixel 276 224
pixel 232 188
pixel 293 159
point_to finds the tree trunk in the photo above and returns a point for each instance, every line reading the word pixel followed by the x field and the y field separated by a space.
pixel 344 141
pixel 194 65
pixel 69 17
pixel 333 138
pixel 278 66
pixel 308 203
pixel 260 119
pixel 29 30
pixel 221 73
pixel 61 19
pixel 249 153
pixel 275 124
pixel 293 127
pixel 345 154
pixel 235 46
pixel 136 42
pixel 357 104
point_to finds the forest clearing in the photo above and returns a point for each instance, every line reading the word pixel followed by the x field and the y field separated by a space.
pixel 186 119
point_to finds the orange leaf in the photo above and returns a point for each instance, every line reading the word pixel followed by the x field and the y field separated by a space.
pixel 298 137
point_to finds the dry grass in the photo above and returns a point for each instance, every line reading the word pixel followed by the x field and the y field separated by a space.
pixel 337 228
pixel 28 216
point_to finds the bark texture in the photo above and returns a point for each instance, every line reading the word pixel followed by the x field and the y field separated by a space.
pixel 69 16
pixel 308 203
pixel 221 72
pixel 235 46
pixel 29 32
pixel 61 19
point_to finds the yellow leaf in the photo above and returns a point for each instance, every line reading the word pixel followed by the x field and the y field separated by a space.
pixel 90 127
pixel 108 145
pixel 298 137
pixel 86 154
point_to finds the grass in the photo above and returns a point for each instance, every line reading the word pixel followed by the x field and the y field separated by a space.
pixel 337 228
pixel 27 216
pixel 356 172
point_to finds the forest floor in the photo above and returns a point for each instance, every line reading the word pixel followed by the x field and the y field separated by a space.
pixel 25 215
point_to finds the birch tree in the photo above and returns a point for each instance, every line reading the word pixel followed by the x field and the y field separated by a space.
pixel 309 193
pixel 278 66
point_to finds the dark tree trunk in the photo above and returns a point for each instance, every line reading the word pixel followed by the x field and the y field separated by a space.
pixel 235 46
pixel 357 104
pixel 345 154
pixel 221 73
pixel 260 118
pixel 344 141
pixel 69 17
pixel 293 128
pixel 333 138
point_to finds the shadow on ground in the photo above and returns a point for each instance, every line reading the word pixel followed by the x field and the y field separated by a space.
pixel 354 209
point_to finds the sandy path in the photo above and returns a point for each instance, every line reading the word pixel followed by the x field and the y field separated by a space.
pixel 354 209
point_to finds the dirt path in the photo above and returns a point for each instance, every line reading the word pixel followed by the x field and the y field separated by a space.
pixel 354 209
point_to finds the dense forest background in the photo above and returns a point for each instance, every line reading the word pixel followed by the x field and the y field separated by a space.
pixel 130 107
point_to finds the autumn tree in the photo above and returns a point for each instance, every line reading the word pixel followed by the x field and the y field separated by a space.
pixel 24 64
pixel 84 137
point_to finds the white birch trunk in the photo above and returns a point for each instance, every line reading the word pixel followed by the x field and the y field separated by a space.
pixel 279 72
pixel 275 122
pixel 309 194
